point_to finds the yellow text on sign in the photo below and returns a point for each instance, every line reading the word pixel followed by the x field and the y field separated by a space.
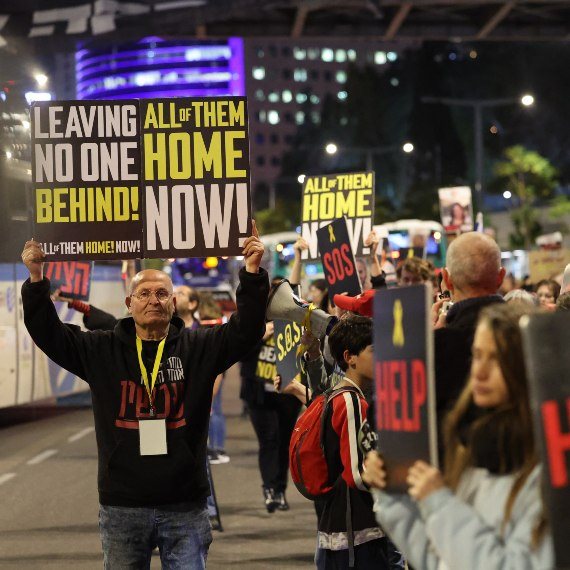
pixel 333 205
pixel 182 155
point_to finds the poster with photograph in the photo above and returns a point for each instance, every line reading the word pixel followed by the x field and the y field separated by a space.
pixel 329 197
pixel 456 208
pixel 195 157
pixel 86 179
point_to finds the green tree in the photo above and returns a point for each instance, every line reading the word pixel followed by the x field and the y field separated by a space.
pixel 529 176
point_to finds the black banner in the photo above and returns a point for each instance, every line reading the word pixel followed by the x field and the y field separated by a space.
pixel 404 380
pixel 287 335
pixel 545 338
pixel 196 176
pixel 72 278
pixel 86 178
pixel 338 260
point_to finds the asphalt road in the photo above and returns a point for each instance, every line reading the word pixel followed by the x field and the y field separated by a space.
pixel 49 507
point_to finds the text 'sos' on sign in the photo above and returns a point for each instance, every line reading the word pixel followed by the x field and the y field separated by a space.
pixel 130 179
pixel 545 338
pixel 338 260
pixel 72 278
pixel 329 197
pixel 86 179
pixel 196 176
pixel 404 380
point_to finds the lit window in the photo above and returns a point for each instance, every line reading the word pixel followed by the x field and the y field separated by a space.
pixel 351 53
pixel 301 97
pixel 272 117
pixel 314 99
pixel 313 53
pixel 342 95
pixel 341 76
pixel 392 56
pixel 315 117
pixel 258 72
pixel 261 116
pixel 344 121
pixel 340 55
pixel 380 58
pixel 260 95
pixel 273 97
pixel 394 82
pixel 299 53
pixel 287 96
pixel 300 75
pixel 299 117
pixel 327 54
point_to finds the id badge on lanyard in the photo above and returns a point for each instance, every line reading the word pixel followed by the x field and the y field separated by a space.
pixel 152 433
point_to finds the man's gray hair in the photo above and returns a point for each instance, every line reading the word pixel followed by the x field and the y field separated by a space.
pixel 521 296
pixel 473 262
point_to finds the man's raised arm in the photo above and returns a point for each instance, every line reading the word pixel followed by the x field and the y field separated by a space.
pixel 61 342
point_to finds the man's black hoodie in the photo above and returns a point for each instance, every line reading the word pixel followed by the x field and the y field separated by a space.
pixel 108 362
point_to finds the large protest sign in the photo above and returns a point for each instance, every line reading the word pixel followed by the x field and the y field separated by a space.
pixel 545 338
pixel 72 278
pixel 404 380
pixel 456 208
pixel 287 335
pixel 329 197
pixel 547 263
pixel 338 260
pixel 196 176
pixel 86 178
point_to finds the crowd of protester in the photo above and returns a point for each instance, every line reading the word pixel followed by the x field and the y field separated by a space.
pixel 484 507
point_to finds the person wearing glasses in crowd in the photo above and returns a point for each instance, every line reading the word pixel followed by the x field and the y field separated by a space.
pixel 151 380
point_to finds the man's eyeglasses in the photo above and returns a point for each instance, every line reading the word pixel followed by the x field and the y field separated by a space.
pixel 162 295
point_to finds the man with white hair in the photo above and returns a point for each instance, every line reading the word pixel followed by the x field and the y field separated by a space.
pixel 473 275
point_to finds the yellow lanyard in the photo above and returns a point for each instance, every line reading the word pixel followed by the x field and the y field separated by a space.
pixel 150 388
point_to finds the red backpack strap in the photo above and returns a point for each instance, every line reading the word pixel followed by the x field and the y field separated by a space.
pixel 329 395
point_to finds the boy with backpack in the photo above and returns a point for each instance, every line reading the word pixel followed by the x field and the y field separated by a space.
pixel 327 451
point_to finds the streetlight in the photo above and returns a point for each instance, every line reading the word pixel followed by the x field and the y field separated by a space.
pixel 408 147
pixel 478 105
pixel 41 79
pixel 507 194
pixel 301 178
pixel 331 148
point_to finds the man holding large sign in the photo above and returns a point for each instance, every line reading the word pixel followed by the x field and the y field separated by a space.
pixel 151 381
pixel 332 196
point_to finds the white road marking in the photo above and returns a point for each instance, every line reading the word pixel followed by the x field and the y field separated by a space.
pixel 6 477
pixel 41 456
pixel 80 434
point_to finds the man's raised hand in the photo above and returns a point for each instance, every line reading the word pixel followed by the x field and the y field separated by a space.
pixel 253 250
pixel 33 258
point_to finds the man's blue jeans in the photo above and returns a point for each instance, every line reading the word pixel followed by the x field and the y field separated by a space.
pixel 129 536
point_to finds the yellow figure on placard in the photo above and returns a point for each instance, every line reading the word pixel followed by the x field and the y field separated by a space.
pixel 331 234
pixel 398 332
